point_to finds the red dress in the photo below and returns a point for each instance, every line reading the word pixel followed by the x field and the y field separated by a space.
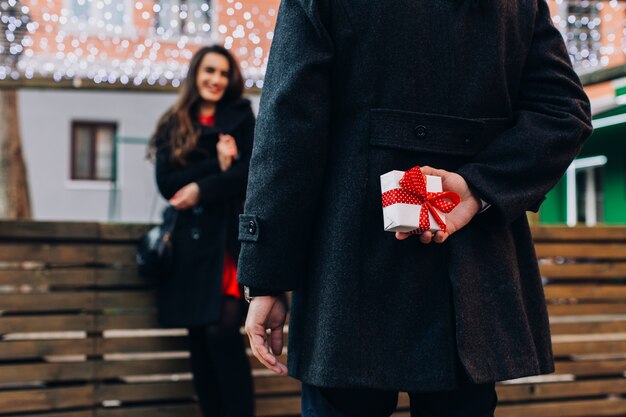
pixel 229 276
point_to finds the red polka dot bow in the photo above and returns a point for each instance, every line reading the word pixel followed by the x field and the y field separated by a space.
pixel 413 191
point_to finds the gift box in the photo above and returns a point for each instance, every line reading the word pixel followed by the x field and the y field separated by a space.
pixel 414 202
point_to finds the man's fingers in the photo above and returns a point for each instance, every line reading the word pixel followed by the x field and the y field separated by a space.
pixel 266 358
pixel 402 236
pixel 426 237
pixel 440 237
pixel 276 341
pixel 260 350
pixel 263 345
pixel 426 170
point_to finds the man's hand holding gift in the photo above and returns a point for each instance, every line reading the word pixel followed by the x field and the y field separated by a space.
pixel 468 206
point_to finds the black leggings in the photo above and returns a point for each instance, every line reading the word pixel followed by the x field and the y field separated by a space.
pixel 220 367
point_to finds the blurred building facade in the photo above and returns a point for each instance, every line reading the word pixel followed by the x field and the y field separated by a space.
pixel 95 75
pixel 594 189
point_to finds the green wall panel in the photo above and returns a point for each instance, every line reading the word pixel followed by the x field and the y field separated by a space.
pixel 610 142
pixel 553 208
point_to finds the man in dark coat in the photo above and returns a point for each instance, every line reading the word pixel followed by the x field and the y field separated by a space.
pixel 481 90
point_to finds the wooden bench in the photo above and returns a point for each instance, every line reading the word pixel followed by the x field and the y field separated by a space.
pixel 79 336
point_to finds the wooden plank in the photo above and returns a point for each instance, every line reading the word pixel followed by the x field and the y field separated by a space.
pixel 78 300
pixel 57 253
pixel 57 301
pixel 141 299
pixel 122 322
pixel 588 328
pixel 581 250
pixel 75 277
pixel 585 408
pixel 596 233
pixel 125 276
pixel 52 323
pixel 123 232
pixel 585 291
pixel 84 413
pixel 555 390
pixel 92 370
pixel 142 344
pixel 40 348
pixel 146 392
pixel 116 369
pixel 27 229
pixel 45 399
pixel 117 254
pixel 186 410
pixel 63 371
pixel 586 309
pixel 591 368
pixel 404 400
pixel 599 270
pixel 48 277
pixel 275 384
pixel 582 348
pixel 278 406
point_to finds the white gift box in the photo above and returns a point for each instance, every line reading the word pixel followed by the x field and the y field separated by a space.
pixel 400 217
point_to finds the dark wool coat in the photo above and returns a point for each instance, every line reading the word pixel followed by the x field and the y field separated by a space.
pixel 357 88
pixel 191 296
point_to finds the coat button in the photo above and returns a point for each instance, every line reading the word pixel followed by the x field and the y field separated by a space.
pixel 468 141
pixel 252 227
pixel 420 131
pixel 195 233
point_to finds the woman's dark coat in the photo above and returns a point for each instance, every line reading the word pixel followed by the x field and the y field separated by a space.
pixel 191 296
pixel 357 88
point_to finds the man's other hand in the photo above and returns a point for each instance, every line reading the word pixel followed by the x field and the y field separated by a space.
pixel 267 313
pixel 461 215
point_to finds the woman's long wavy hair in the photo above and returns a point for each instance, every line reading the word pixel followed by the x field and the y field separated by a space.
pixel 176 125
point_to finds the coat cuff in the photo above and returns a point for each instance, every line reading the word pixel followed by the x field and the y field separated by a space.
pixel 248 228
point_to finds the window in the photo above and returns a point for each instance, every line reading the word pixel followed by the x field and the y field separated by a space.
pixel 183 17
pixel 583 34
pixel 92 151
pixel 585 191
pixel 110 15
pixel 590 196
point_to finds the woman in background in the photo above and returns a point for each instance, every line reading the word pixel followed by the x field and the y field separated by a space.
pixel 202 147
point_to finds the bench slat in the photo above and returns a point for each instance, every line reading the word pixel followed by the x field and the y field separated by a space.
pixel 581 250
pixel 46 399
pixel 556 390
pixel 58 253
pixel 599 270
pixel 586 408
pixel 39 348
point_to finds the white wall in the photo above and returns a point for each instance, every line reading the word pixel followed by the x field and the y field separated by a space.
pixel 45 122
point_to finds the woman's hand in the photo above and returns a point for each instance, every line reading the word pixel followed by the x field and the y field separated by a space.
pixel 460 216
pixel 187 197
pixel 226 151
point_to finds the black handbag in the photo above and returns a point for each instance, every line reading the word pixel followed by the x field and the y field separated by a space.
pixel 154 252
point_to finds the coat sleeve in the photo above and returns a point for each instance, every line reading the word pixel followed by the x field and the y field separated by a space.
pixel 222 186
pixel 290 150
pixel 171 177
pixel 552 120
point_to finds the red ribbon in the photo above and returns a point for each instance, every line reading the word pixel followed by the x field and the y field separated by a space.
pixel 413 191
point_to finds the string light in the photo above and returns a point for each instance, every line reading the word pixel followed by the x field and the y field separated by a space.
pixel 129 41
pixel 150 42
pixel 593 31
